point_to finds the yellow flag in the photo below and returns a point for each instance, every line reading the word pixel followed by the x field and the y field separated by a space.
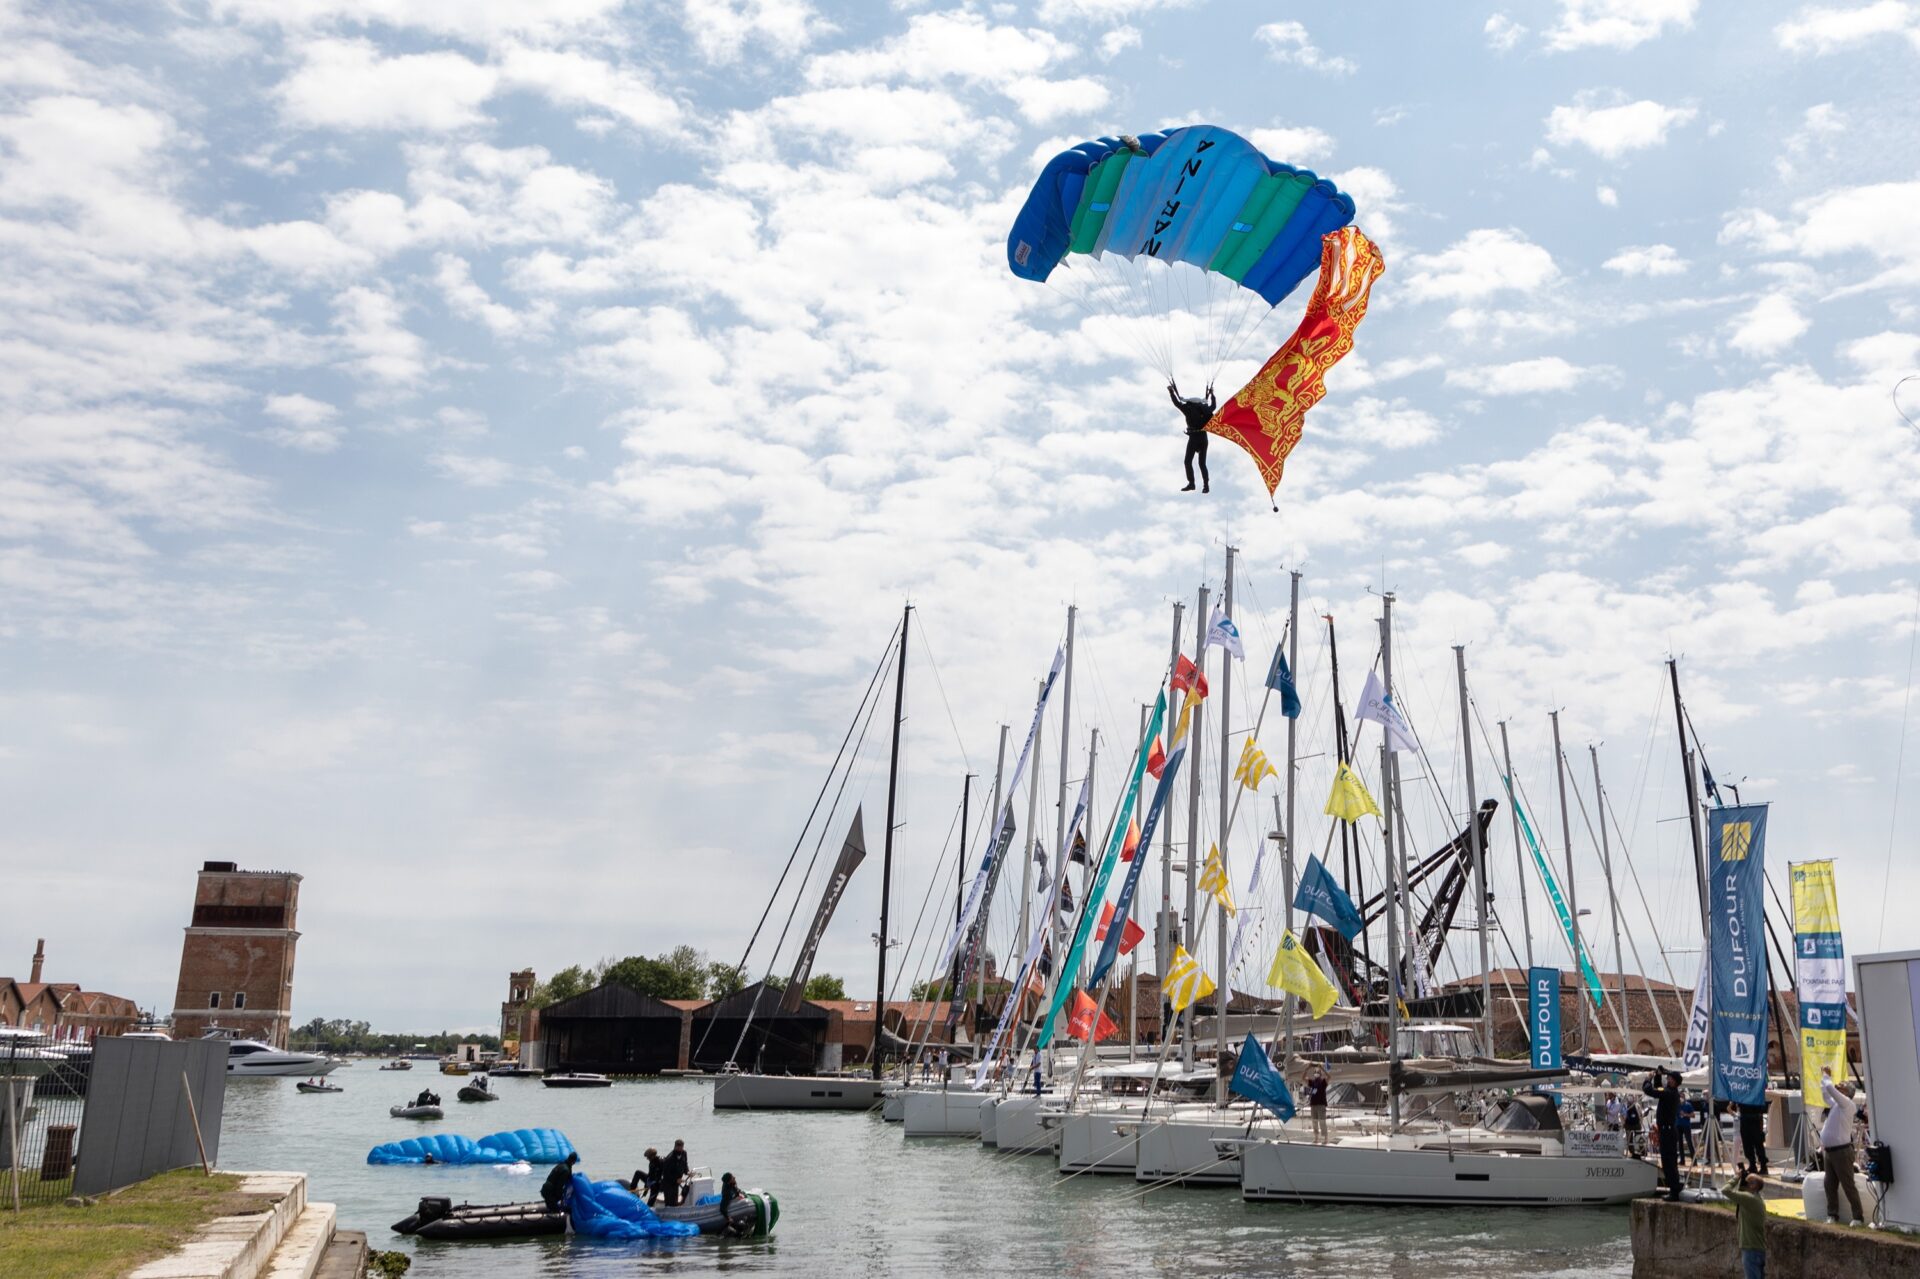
pixel 1185 980
pixel 1349 800
pixel 1254 767
pixel 1295 972
pixel 1213 879
pixel 1185 721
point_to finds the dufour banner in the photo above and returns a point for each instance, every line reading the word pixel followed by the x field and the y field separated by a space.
pixel 1736 847
pixel 1543 1017
pixel 1820 973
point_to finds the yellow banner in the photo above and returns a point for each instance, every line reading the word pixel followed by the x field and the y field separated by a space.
pixel 1820 975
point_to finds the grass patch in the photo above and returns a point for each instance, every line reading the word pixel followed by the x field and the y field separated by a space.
pixel 121 1231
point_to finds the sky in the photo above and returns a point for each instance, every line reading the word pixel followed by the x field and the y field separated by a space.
pixel 473 454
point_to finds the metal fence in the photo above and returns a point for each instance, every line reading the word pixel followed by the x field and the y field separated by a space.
pixel 43 1096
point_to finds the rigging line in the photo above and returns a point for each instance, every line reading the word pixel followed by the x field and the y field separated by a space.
pixel 1593 838
pixel 921 634
pixel 1633 871
pixel 883 665
pixel 938 877
pixel 819 843
pixel 1900 759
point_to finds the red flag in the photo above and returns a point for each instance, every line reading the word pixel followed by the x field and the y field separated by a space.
pixel 1265 416
pixel 1188 676
pixel 1089 1021
pixel 1156 759
pixel 1132 844
pixel 1130 936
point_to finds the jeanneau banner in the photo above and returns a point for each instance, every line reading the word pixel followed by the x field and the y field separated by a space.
pixel 1736 846
pixel 1820 974
pixel 1543 1017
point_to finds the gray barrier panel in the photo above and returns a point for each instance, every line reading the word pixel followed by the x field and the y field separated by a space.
pixel 137 1121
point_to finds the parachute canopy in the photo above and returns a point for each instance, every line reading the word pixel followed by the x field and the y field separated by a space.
pixel 1200 196
pixel 608 1210
pixel 528 1145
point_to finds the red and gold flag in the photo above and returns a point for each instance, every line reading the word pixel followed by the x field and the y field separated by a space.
pixel 1265 416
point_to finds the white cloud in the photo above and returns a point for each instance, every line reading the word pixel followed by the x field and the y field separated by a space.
pixel 1607 196
pixel 1118 41
pixel 383 349
pixel 1294 144
pixel 1503 33
pixel 304 423
pixel 1098 11
pixel 348 84
pixel 1289 43
pixel 1825 30
pixel 1773 325
pixel 1480 264
pixel 1616 24
pixel 722 29
pixel 1881 220
pixel 1885 354
pixel 1647 260
pixel 469 301
pixel 1612 132
pixel 1522 377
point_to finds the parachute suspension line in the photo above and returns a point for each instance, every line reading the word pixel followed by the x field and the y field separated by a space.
pixel 1087 288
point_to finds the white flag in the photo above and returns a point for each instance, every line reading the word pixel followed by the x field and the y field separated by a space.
pixel 1222 631
pixel 1378 707
pixel 1700 1020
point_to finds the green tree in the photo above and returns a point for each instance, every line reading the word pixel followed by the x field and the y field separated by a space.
pixel 724 980
pixel 825 986
pixel 564 984
pixel 681 973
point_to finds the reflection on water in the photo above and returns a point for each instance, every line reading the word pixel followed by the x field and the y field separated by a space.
pixel 857 1198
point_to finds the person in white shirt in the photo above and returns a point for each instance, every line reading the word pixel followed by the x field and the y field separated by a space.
pixel 1836 1145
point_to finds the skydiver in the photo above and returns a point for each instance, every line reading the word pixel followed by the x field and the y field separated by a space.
pixel 1198 413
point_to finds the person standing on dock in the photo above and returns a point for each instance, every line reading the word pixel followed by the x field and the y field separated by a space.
pixel 1836 1145
pixel 1753 1134
pixel 1664 1088
pixel 1743 1192
pixel 946 1075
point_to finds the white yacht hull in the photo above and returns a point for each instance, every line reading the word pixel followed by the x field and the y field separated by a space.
pixel 1093 1141
pixel 1300 1172
pixel 893 1106
pixel 795 1092
pixel 1016 1124
pixel 1196 1147
pixel 303 1067
pixel 950 1112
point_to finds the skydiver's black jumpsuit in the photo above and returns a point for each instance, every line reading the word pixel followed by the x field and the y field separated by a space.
pixel 1198 413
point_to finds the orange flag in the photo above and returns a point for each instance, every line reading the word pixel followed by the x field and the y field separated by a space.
pixel 1089 1021
pixel 1265 416
pixel 1132 845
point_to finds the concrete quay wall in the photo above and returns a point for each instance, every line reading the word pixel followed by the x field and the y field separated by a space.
pixel 1699 1241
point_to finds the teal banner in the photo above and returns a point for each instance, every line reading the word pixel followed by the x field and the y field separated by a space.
pixel 1063 985
pixel 1588 977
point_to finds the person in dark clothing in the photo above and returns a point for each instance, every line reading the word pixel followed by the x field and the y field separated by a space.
pixel 554 1189
pixel 730 1191
pixel 1664 1088
pixel 646 1181
pixel 1198 413
pixel 1631 1122
pixel 1753 1135
pixel 1687 1117
pixel 673 1171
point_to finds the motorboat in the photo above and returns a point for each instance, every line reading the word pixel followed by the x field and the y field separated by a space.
pixel 250 1057
pixel 437 1217
pixel 399 1063
pixel 416 1112
pixel 477 1091
pixel 577 1079
pixel 304 1086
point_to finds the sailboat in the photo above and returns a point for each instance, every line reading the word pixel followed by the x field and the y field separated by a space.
pixel 736 1089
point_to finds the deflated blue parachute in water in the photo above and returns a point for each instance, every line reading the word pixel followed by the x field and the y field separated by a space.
pixel 608 1210
pixel 531 1145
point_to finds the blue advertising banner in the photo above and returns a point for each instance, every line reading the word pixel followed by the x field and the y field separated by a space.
pixel 1543 1017
pixel 1736 848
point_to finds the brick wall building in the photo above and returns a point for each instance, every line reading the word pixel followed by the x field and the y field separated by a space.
pixel 236 965
pixel 61 1009
pixel 519 1020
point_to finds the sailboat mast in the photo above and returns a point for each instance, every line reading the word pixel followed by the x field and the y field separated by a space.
pixel 886 858
pixel 1351 877
pixel 1086 867
pixel 1388 821
pixel 1225 993
pixel 1191 928
pixel 960 862
pixel 1058 926
pixel 1573 893
pixel 993 815
pixel 1028 843
pixel 1693 796
pixel 1479 850
pixel 1613 898
pixel 1286 825
pixel 1164 933
pixel 1519 853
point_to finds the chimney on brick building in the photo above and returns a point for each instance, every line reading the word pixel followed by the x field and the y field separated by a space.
pixel 39 957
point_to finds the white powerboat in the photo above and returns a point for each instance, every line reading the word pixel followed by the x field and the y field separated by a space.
pixel 249 1057
pixel 738 1090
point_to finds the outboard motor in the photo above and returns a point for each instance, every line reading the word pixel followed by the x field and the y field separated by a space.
pixel 432 1208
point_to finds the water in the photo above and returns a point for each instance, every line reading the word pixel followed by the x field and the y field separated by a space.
pixel 857 1198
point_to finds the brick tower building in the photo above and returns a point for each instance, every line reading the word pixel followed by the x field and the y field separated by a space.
pixel 236 968
pixel 519 1020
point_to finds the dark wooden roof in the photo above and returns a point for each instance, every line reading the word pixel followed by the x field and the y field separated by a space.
pixel 741 1004
pixel 607 1001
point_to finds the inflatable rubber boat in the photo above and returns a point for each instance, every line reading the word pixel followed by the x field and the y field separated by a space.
pixel 439 1218
pixel 416 1112
pixel 304 1086
pixel 474 1092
